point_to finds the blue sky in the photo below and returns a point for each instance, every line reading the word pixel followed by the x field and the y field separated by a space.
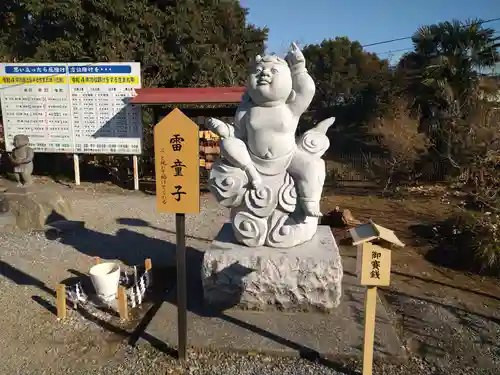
pixel 368 21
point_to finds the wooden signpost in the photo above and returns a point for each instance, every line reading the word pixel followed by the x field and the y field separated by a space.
pixel 373 268
pixel 176 147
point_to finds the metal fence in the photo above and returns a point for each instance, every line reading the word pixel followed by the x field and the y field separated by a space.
pixel 345 168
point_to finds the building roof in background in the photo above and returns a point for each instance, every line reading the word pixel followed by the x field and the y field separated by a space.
pixel 205 95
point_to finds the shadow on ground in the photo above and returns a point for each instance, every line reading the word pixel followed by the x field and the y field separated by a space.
pixel 451 248
pixel 127 246
pixel 448 285
pixel 132 334
pixel 132 222
pixel 132 248
pixel 467 337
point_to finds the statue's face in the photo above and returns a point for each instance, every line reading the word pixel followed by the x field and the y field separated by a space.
pixel 270 81
pixel 20 141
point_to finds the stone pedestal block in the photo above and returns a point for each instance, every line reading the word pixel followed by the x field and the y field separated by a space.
pixel 305 277
pixel 32 208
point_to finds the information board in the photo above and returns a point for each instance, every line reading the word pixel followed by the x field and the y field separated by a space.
pixel 80 108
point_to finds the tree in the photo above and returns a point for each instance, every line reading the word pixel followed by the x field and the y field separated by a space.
pixel 348 83
pixel 476 146
pixel 397 131
pixel 179 43
pixel 348 80
pixel 443 73
pixel 342 70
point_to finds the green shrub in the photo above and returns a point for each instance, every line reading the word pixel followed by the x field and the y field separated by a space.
pixel 485 230
pixel 472 239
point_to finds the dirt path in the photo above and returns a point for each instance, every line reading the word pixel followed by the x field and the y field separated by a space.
pixel 447 317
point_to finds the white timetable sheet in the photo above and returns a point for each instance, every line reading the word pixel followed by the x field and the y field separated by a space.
pixel 72 107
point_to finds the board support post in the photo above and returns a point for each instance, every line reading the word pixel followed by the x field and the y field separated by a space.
pixel 180 229
pixel 369 336
pixel 122 303
pixel 61 301
pixel 135 165
pixel 147 264
pixel 76 167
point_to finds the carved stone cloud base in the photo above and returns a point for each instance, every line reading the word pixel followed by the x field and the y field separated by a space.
pixel 306 277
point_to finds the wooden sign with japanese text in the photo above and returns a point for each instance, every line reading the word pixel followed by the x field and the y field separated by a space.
pixel 373 265
pixel 176 147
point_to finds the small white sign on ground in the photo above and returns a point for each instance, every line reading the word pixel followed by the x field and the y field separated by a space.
pixel 80 108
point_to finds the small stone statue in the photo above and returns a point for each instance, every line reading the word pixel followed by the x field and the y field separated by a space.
pixel 272 182
pixel 22 159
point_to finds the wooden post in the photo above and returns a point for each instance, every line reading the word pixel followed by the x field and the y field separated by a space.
pixel 149 266
pixel 61 301
pixel 176 144
pixel 180 229
pixel 369 337
pixel 373 269
pixel 122 303
pixel 76 167
pixel 135 165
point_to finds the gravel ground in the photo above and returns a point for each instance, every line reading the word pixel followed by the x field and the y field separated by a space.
pixel 211 363
pixel 126 227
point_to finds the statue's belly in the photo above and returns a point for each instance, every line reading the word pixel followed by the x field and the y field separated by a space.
pixel 270 144
pixel 20 154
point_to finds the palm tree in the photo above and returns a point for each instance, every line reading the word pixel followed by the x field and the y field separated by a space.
pixel 443 73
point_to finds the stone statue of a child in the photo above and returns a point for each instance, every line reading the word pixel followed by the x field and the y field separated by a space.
pixel 278 92
pixel 22 159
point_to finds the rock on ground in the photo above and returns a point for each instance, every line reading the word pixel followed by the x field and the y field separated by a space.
pixel 32 208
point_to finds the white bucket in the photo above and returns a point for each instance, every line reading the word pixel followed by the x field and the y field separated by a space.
pixel 105 277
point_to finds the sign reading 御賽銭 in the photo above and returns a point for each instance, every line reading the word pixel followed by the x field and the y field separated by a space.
pixel 80 108
pixel 176 148
pixel 374 267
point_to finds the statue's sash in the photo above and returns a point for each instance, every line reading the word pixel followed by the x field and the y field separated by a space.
pixel 272 167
